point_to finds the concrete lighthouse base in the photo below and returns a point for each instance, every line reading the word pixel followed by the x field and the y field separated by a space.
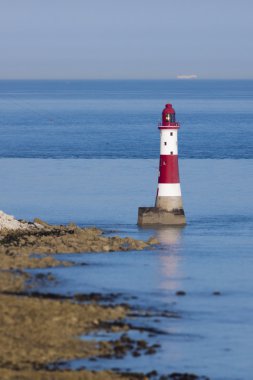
pixel 169 203
pixel 158 216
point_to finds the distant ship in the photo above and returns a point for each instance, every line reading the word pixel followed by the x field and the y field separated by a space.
pixel 191 76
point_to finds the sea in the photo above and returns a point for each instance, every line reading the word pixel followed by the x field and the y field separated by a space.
pixel 88 152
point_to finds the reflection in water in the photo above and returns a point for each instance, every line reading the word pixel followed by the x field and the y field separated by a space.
pixel 170 238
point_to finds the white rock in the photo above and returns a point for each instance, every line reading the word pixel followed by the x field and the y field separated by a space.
pixel 10 223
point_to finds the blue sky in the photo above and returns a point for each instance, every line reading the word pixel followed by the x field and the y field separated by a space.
pixel 110 39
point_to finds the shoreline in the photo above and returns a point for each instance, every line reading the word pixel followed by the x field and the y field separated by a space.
pixel 38 332
pixel 33 247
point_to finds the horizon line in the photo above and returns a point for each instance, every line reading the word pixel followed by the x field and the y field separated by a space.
pixel 121 79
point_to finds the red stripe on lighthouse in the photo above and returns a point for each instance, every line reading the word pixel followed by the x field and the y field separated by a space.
pixel 169 172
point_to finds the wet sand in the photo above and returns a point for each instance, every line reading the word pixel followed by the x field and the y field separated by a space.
pixel 66 375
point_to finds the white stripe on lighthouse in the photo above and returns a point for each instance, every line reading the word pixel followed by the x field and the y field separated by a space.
pixel 169 190
pixel 168 142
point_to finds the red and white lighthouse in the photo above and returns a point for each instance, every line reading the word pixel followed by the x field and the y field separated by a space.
pixel 168 208
pixel 169 189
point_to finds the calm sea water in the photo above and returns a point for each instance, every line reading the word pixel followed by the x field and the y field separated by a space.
pixel 114 125
pixel 117 119
pixel 212 253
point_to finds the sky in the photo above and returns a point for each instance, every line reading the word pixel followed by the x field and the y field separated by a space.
pixel 126 39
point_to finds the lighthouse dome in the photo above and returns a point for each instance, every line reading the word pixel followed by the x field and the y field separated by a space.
pixel 168 115
pixel 169 107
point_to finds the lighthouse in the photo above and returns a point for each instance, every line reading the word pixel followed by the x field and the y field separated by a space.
pixel 168 208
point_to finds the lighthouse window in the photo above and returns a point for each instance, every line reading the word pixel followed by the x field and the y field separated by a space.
pixel 165 143
pixel 171 133
pixel 171 152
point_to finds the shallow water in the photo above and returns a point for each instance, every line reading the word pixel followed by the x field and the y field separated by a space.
pixel 212 337
pixel 109 192
pixel 212 253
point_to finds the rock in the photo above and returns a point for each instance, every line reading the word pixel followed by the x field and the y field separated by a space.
pixel 152 374
pixel 150 351
pixel 72 226
pixel 152 241
pixel 142 344
pixel 40 222
pixel 180 293
pixel 8 222
pixel 136 354
pixel 185 376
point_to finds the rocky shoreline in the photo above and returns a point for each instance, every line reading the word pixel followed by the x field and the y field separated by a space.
pixel 37 331
pixel 18 247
